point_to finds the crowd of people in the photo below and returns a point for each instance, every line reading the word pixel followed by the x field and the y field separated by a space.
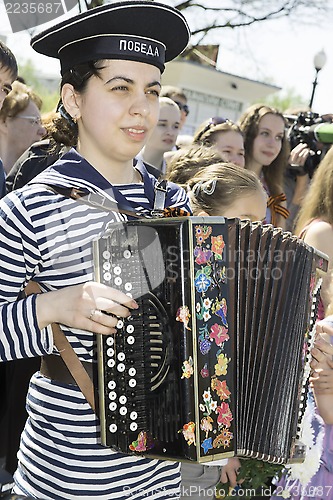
pixel 115 133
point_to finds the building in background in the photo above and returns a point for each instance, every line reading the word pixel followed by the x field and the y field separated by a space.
pixel 211 92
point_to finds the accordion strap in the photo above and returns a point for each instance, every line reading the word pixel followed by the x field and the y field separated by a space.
pixel 74 365
pixel 68 355
pixel 97 200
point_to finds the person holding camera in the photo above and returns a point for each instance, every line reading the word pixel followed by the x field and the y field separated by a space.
pixel 310 136
pixel 296 182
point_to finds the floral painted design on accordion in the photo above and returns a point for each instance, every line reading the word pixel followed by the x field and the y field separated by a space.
pixel 213 343
pixel 143 443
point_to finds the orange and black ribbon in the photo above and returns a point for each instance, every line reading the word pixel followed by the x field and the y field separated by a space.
pixel 276 208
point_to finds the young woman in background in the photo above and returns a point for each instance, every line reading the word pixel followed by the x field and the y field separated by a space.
pixel 266 154
pixel 225 136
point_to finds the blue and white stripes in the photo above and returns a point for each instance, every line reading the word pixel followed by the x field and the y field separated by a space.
pixel 47 237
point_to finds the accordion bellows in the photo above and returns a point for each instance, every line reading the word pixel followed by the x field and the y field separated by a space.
pixel 214 363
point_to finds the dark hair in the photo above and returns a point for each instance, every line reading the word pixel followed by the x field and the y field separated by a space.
pixel 249 124
pixel 64 130
pixel 8 60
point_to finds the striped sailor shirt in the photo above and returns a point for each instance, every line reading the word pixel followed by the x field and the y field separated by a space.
pixel 47 237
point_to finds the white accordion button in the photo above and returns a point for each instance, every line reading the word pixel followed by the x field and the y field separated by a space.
pixel 121 356
pixel 106 254
pixel 121 367
pixel 120 324
pixel 123 410
pixel 133 426
pixel 113 428
pixel 113 406
pixel 112 385
pixel 112 395
pixel 132 382
pixel 110 352
pixel 110 340
pixel 118 281
pixel 130 340
pixel 107 276
pixel 106 266
pixel 117 270
pixel 132 372
pixel 129 295
pixel 128 287
pixel 123 400
pixel 127 254
pixel 111 363
pixel 129 328
pixel 133 415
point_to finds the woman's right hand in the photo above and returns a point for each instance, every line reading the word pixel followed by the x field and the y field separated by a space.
pixel 91 306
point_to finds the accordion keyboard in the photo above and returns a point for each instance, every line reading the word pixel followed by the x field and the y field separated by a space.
pixel 136 360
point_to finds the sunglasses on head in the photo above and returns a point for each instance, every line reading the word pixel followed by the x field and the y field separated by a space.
pixel 213 122
pixel 183 107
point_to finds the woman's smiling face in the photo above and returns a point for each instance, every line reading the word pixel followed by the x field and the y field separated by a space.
pixel 118 110
pixel 268 142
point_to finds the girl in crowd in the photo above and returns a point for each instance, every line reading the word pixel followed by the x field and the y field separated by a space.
pixel 314 478
pixel 221 189
pixel 225 136
pixel 164 136
pixel 189 160
pixel 266 154
pixel 315 223
pixel 227 190
pixel 111 71
pixel 178 96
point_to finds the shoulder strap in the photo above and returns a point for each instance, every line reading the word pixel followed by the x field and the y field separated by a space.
pixel 160 195
pixel 97 200
pixel 74 365
pixel 68 355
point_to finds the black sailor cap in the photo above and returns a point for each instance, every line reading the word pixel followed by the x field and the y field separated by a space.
pixel 136 30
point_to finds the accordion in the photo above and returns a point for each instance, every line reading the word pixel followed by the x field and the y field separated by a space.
pixel 215 362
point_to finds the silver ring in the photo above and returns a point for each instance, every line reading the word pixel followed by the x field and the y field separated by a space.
pixel 92 313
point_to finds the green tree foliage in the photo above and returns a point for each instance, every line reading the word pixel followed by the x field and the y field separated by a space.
pixel 286 99
pixel 29 73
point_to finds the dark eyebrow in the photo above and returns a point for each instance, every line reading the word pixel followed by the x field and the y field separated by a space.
pixel 131 82
pixel 152 84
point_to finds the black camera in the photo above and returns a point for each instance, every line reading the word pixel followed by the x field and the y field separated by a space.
pixel 311 129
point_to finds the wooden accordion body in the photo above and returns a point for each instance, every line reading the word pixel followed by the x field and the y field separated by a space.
pixel 214 363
